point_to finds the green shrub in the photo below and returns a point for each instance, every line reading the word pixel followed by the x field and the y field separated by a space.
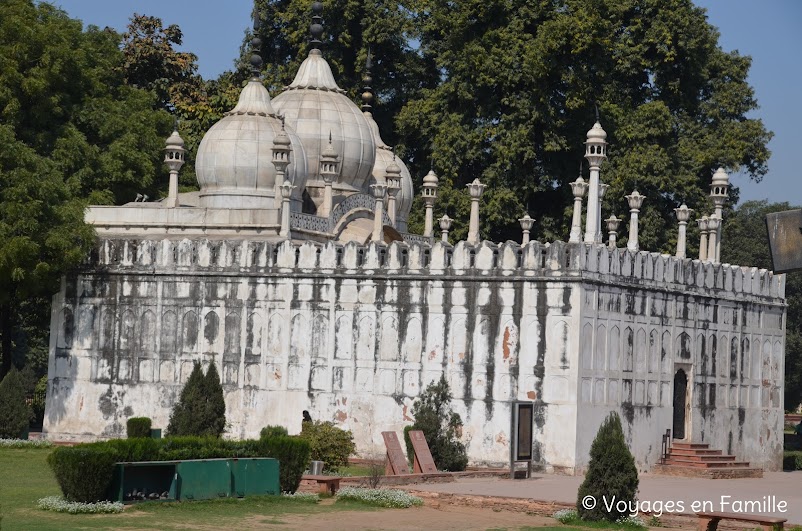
pixel 138 427
pixel 611 472
pixel 792 460
pixel 201 407
pixel 83 472
pixel 328 443
pixel 193 447
pixel 440 426
pixel 134 450
pixel 293 457
pixel 272 431
pixel 15 413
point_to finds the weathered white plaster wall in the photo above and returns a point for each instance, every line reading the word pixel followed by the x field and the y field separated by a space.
pixel 353 334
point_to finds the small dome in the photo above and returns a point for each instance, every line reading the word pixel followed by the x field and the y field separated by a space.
pixel 175 140
pixel 282 139
pixel 235 160
pixel 597 133
pixel 431 178
pixel 316 107
pixel 720 178
pixel 385 159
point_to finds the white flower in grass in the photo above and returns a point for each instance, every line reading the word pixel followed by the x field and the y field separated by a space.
pixel 60 505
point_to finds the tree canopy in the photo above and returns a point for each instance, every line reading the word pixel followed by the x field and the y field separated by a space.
pixel 505 90
pixel 744 241
pixel 72 132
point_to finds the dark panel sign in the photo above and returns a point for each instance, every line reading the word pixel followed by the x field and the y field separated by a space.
pixel 785 240
pixel 524 417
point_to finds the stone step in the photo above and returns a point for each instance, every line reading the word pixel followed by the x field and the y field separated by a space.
pixel 689 446
pixel 703 458
pixel 709 473
pixel 706 464
pixel 693 451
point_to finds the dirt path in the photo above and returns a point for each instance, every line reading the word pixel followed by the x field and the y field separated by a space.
pixel 444 517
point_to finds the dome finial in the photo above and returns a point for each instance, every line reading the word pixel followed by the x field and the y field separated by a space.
pixel 596 105
pixel 316 28
pixel 367 94
pixel 256 46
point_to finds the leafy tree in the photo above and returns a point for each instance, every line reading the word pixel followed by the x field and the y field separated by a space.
pixel 518 82
pixel 72 131
pixel 611 472
pixel 352 27
pixel 744 242
pixel 201 408
pixel 152 63
pixel 15 414
pixel 440 426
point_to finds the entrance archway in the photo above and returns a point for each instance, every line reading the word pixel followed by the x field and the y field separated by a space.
pixel 680 396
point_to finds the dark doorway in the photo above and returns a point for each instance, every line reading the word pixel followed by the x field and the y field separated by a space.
pixel 680 392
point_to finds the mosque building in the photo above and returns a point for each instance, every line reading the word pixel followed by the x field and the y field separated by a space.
pixel 292 269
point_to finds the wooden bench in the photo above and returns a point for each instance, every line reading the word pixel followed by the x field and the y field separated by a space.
pixel 709 521
pixel 327 484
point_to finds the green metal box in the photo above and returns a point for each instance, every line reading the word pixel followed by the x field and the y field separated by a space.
pixel 147 477
pixel 254 477
pixel 204 479
pixel 200 479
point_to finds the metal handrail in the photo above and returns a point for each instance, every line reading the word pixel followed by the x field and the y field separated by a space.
pixel 665 447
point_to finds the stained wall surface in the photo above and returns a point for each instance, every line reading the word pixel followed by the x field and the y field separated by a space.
pixel 353 334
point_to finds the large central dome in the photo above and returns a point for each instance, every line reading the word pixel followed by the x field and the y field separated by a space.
pixel 315 107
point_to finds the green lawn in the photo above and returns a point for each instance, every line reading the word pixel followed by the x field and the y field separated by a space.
pixel 25 477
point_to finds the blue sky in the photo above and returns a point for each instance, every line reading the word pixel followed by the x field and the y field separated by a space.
pixel 766 30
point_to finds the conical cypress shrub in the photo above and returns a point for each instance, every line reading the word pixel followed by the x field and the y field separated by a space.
pixel 184 420
pixel 611 476
pixel 15 413
pixel 214 414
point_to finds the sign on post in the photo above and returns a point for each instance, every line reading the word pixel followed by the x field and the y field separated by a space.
pixel 424 462
pixel 396 464
pixel 785 240
pixel 523 417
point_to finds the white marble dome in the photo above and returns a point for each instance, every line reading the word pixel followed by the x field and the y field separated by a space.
pixel 234 163
pixel 316 107
pixel 384 157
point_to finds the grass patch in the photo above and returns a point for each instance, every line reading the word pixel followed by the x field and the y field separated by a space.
pixel 353 471
pixel 25 478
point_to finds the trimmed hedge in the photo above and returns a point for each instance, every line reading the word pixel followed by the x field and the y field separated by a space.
pixel 138 427
pixel 84 471
pixel 792 460
pixel 293 457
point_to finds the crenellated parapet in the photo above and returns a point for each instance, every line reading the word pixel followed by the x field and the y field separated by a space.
pixel 589 262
